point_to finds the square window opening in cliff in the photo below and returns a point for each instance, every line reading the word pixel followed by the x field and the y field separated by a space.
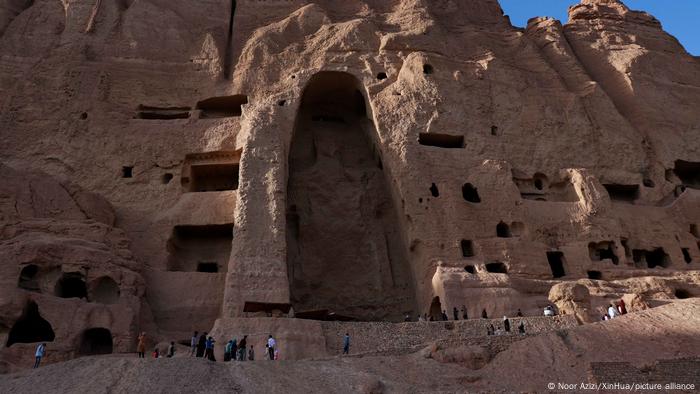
pixel 222 107
pixel 441 140
pixel 127 172
pixel 381 76
pixel 213 177
pixel 190 246
pixel 503 230
pixel 494 131
pixel 623 193
pixel 470 269
pixel 95 341
pixel 599 251
pixel 686 255
pixel 427 69
pixel 595 275
pixel 496 267
pixel 688 172
pixel 30 327
pixel 467 248
pixel 28 278
pixel 556 263
pixel 470 193
pixel 208 267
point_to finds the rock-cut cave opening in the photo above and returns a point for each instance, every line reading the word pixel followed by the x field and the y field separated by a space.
pixel 345 253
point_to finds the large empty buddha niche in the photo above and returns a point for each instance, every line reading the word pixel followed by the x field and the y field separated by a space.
pixel 71 285
pixel 28 278
pixel 105 291
pixel 599 251
pixel 96 341
pixel 469 193
pixel 556 263
pixel 688 172
pixel 200 248
pixel 625 193
pixel 30 327
pixel 441 140
pixel 210 171
pixel 345 251
pixel 651 258
pixel 222 107
pixel 496 267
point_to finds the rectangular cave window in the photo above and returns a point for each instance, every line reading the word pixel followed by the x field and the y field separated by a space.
pixel 625 193
pixel 467 248
pixel 209 172
pixel 162 113
pixel 213 177
pixel 688 172
pixel 686 255
pixel 208 267
pixel 652 258
pixel 441 140
pixel 595 275
pixel 127 172
pixel 556 263
pixel 602 251
pixel 496 267
pixel 222 107
pixel 200 248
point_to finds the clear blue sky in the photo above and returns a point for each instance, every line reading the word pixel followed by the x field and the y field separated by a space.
pixel 681 18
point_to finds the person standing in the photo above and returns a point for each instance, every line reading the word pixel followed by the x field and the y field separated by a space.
pixel 464 313
pixel 201 345
pixel 271 344
pixel 506 324
pixel 193 344
pixel 519 313
pixel 227 351
pixel 234 350
pixel 444 316
pixel 483 314
pixel 141 346
pixel 521 328
pixel 621 307
pixel 346 344
pixel 242 347
pixel 251 354
pixel 171 350
pixel 612 311
pixel 455 313
pixel 39 354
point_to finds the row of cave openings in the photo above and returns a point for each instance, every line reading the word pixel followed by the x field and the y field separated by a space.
pixel 103 290
pixel 220 107
pixel 31 327
pixel 598 252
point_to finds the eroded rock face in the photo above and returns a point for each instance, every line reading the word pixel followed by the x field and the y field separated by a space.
pixel 487 165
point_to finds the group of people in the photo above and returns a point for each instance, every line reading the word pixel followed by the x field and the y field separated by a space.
pixel 615 310
pixel 491 330
pixel 141 348
pixel 234 350
pixel 455 314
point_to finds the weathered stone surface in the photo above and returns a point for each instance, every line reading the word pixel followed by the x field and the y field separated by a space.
pixel 364 159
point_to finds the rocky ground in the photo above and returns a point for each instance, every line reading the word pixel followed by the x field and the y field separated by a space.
pixel 665 332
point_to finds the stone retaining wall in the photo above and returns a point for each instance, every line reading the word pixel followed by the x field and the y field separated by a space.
pixel 398 338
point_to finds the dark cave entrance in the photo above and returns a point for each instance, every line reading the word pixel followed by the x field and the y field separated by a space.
pixel 71 285
pixel 345 253
pixel 96 341
pixel 30 327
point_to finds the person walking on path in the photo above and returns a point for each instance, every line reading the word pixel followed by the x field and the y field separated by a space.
pixel 455 313
pixel 506 324
pixel 171 350
pixel 464 313
pixel 444 316
pixel 521 328
pixel 209 349
pixel 612 311
pixel 242 347
pixel 193 344
pixel 227 350
pixel 141 346
pixel 346 344
pixel 621 307
pixel 39 354
pixel 271 344
pixel 483 314
pixel 251 354
pixel 519 313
